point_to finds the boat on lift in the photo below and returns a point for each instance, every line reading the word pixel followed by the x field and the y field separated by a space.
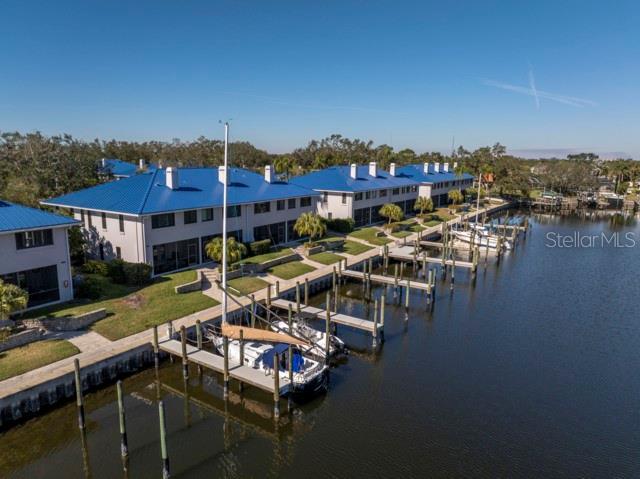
pixel 317 339
pixel 480 235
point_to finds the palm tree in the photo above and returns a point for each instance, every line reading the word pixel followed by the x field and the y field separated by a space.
pixel 391 211
pixel 284 165
pixel 12 299
pixel 235 251
pixel 423 204
pixel 311 225
pixel 455 196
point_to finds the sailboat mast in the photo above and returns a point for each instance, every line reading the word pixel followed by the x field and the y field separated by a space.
pixel 224 222
pixel 478 199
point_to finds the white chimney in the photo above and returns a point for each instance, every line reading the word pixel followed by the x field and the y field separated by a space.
pixel 160 164
pixel 353 173
pixel 426 168
pixel 172 180
pixel 455 165
pixel 436 167
pixel 103 162
pixel 392 169
pixel 222 175
pixel 373 169
pixel 446 168
pixel 268 174
pixel 141 164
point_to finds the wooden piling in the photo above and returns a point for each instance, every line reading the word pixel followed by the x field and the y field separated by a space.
pixel 453 269
pixel 241 340
pixel 268 299
pixel 290 317
pixel 156 347
pixel 333 278
pixel 382 304
pixel 124 449
pixel 277 288
pixel 298 297
pixel 406 295
pixel 276 385
pixel 375 324
pixel 79 398
pixel 225 346
pixel 163 442
pixel 185 360
pixel 327 328
pixel 253 311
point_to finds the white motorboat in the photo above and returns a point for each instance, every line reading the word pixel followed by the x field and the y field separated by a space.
pixel 309 376
pixel 313 336
pixel 480 236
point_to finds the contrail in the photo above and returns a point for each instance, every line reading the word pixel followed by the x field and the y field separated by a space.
pixel 567 100
pixel 532 84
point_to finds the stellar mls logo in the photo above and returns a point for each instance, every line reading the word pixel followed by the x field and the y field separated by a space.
pixel 602 240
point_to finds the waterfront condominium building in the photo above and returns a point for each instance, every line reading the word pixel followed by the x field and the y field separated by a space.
pixel 34 253
pixel 359 192
pixel 436 180
pixel 166 216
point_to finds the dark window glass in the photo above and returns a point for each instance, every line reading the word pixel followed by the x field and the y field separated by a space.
pixel 190 217
pixel 325 197
pixel 40 283
pixel 118 252
pixel 280 205
pixel 357 197
pixel 34 239
pixel 164 220
pixel 305 201
pixel 276 232
pixel 234 211
pixel 292 203
pixel 396 191
pixel 104 220
pixel 344 198
pixel 383 193
pixel 121 223
pixel 207 214
pixel 177 255
pixel 263 207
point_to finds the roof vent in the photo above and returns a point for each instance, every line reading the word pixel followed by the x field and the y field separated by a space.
pixel 353 171
pixel 141 164
pixel 426 168
pixel 172 179
pixel 103 162
pixel 436 167
pixel 373 169
pixel 222 175
pixel 268 174
pixel 446 168
pixel 392 169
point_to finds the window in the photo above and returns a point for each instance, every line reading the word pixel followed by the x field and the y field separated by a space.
pixel 344 198
pixel 383 193
pixel 118 252
pixel 367 195
pixel 276 232
pixel 40 283
pixel 121 223
pixel 292 203
pixel 190 216
pixel 89 221
pixel 104 220
pixel 234 211
pixel 280 205
pixel 305 201
pixel 414 188
pixel 34 239
pixel 357 197
pixel 82 215
pixel 374 194
pixel 263 207
pixel 325 197
pixel 178 255
pixel 72 211
pixel 164 220
pixel 207 214
pixel 396 191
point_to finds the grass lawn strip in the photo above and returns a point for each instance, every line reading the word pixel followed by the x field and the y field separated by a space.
pixel 34 355
pixel 290 270
pixel 325 258
pixel 369 235
pixel 262 258
pixel 247 284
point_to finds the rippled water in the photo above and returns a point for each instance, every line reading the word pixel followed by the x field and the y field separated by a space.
pixel 531 371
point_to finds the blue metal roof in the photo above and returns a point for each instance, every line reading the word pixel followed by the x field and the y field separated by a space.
pixel 121 168
pixel 147 193
pixel 337 178
pixel 416 172
pixel 14 217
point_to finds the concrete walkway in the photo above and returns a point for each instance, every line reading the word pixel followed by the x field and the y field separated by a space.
pixel 104 350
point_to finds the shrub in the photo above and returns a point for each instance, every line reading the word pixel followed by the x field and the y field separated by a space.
pixel 90 288
pixel 341 225
pixel 94 266
pixel 116 271
pixel 137 274
pixel 4 334
pixel 260 247
pixel 392 227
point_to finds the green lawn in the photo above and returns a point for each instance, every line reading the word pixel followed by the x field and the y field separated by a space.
pixel 401 234
pixel 290 270
pixel 133 309
pixel 369 235
pixel 416 228
pixel 261 258
pixel 349 247
pixel 325 258
pixel 34 355
pixel 433 222
pixel 247 284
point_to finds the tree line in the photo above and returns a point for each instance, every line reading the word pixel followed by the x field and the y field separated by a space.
pixel 34 166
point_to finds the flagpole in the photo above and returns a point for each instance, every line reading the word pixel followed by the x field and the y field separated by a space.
pixel 224 222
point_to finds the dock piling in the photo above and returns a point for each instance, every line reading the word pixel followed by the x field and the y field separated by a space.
pixel 124 449
pixel 79 398
pixel 163 442
pixel 276 386
pixel 306 291
pixel 327 328
pixel 156 347
pixel 225 346
pixel 374 342
pixel 298 298
pixel 185 361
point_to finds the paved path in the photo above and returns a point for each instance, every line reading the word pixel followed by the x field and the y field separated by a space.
pixel 107 350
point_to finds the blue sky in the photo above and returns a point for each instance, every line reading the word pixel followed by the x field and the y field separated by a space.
pixel 532 75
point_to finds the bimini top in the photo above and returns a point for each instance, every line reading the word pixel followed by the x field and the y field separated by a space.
pixel 416 172
pixel 338 178
pixel 148 193
pixel 14 217
pixel 122 169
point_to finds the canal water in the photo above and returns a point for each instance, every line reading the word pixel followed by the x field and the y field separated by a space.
pixel 531 370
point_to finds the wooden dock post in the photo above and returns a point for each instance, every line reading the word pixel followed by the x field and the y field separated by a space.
pixel 424 265
pixel 156 347
pixel 476 255
pixel 406 296
pixel 79 399
pixel 395 280
pixel 163 442
pixel 198 334
pixel 298 298
pixel 253 311
pixel 241 341
pixel 306 291
pixel 225 346
pixel 453 269
pixel 268 299
pixel 327 328
pixel 290 316
pixel 276 386
pixel 277 288
pixel 382 303
pixel 385 260
pixel 124 448
pixel 375 324
pixel 185 360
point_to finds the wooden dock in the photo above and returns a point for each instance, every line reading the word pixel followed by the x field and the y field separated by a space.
pixel 316 313
pixel 215 363
pixel 405 253
pixel 377 278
